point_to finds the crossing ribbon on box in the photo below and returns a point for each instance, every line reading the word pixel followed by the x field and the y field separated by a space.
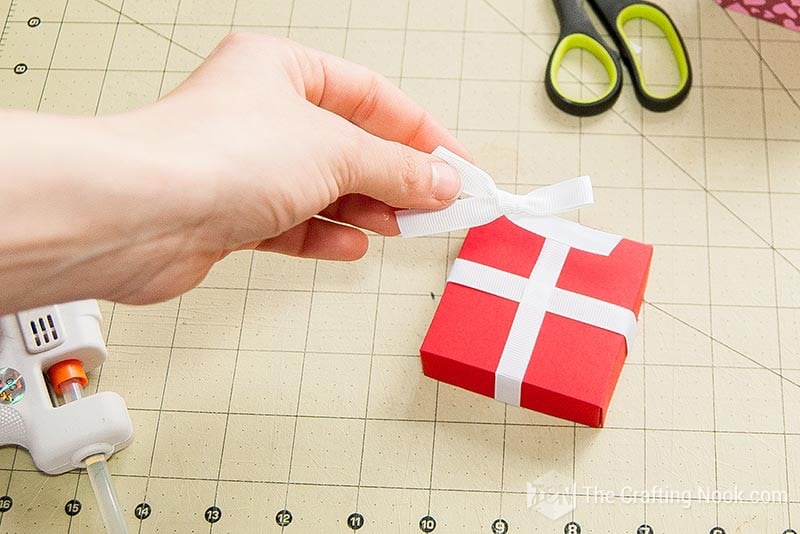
pixel 536 294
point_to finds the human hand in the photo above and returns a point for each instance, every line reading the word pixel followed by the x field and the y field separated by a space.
pixel 267 145
pixel 286 133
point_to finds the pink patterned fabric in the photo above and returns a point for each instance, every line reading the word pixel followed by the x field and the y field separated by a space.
pixel 783 12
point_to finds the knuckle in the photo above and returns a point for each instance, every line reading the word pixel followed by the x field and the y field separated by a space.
pixel 234 39
pixel 348 174
pixel 366 107
pixel 239 39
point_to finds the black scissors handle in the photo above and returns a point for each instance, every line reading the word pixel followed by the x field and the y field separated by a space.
pixel 614 14
pixel 578 32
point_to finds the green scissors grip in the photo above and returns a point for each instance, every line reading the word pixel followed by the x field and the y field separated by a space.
pixel 617 13
pixel 577 32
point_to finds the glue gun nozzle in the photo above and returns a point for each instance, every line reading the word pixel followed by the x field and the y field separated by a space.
pixel 100 477
pixel 68 379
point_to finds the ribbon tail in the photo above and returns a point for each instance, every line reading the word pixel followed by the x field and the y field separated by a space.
pixel 462 214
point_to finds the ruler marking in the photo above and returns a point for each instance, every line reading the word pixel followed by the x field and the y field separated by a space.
pixel 4 31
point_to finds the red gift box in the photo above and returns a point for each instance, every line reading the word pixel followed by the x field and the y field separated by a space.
pixel 570 367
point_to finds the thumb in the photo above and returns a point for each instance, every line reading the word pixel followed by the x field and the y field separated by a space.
pixel 401 176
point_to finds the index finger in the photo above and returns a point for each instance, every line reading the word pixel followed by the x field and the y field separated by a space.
pixel 371 102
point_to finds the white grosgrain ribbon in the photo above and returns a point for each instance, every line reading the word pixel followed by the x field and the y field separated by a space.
pixel 534 211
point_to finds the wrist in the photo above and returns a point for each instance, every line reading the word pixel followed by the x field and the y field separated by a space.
pixel 85 200
pixel 170 181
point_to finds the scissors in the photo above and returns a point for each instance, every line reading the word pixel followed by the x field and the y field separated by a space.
pixel 578 32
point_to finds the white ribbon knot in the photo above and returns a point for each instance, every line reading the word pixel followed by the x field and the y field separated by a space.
pixel 534 211
pixel 511 204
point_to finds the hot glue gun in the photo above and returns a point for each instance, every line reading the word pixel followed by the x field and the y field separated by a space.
pixel 44 353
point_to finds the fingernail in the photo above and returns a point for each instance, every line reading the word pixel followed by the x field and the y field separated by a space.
pixel 446 181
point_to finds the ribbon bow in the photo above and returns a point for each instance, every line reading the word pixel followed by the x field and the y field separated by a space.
pixel 534 211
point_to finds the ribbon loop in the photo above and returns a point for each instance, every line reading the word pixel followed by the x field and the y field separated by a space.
pixel 564 196
pixel 474 181
pixel 533 211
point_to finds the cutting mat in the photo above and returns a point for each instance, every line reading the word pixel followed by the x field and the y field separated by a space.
pixel 286 394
